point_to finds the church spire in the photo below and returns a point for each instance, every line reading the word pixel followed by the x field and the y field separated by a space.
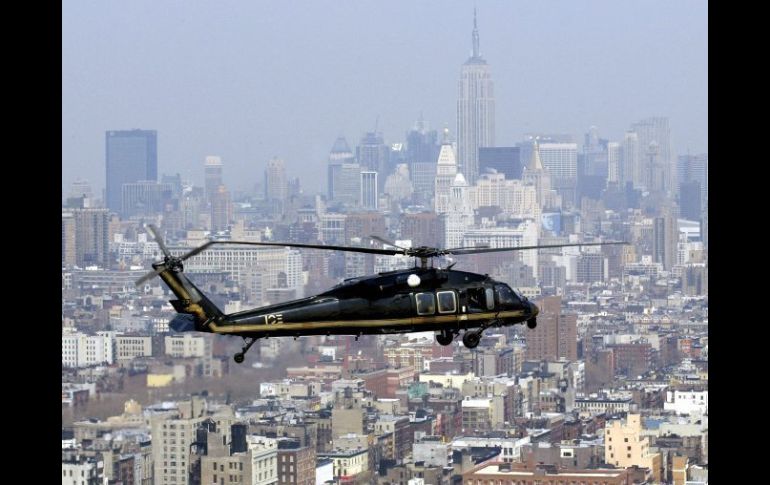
pixel 475 36
pixel 534 162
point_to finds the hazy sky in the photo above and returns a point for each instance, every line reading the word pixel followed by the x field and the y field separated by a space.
pixel 250 80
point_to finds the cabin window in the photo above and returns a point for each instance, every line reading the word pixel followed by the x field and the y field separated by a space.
pixel 447 302
pixel 426 303
pixel 490 297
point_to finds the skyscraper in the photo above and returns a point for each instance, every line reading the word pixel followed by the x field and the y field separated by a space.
pixel 369 192
pixel 654 153
pixel 85 237
pixel 446 169
pixel 694 168
pixel 276 186
pixel 475 110
pixel 213 175
pixel 131 156
pixel 422 149
pixel 340 154
pixel 221 209
pixel 665 233
pixel 372 154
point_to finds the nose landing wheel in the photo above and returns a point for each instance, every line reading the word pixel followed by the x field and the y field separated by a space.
pixel 532 323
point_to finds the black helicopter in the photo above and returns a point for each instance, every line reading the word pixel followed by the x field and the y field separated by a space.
pixel 418 299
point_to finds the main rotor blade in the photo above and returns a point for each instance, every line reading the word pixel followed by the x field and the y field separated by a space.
pixel 152 274
pixel 159 240
pixel 521 248
pixel 388 252
pixel 385 241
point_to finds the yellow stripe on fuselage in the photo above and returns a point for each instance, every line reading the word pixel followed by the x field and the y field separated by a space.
pixel 385 322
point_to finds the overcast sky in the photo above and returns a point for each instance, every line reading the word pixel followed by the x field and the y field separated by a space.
pixel 250 80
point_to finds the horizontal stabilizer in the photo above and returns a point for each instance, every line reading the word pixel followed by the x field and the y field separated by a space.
pixel 182 323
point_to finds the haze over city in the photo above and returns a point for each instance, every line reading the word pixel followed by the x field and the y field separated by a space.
pixel 251 80
pixel 385 243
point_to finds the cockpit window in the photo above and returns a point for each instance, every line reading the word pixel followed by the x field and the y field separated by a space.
pixel 426 303
pixel 506 296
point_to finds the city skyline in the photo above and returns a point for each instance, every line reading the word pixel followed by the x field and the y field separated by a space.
pixel 198 122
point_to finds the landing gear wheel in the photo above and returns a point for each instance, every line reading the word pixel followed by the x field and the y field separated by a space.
pixel 238 358
pixel 532 323
pixel 471 339
pixel 445 338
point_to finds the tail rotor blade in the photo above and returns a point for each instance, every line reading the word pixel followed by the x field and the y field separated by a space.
pixel 197 250
pixel 147 277
pixel 159 240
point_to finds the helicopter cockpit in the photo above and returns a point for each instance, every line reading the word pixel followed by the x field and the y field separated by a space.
pixel 508 298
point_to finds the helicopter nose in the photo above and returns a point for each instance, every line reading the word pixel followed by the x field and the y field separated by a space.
pixel 534 310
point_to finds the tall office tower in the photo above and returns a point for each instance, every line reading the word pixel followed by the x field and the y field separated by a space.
pixel 615 169
pixel 372 154
pixel 422 149
pixel 694 168
pixel 665 235
pixel 347 185
pixel 459 215
pixel 340 154
pixel 85 237
pixel 213 175
pixel 690 200
pixel 505 160
pixel 594 155
pixel 175 182
pixel 144 198
pixel 556 334
pixel 131 156
pixel 475 109
pixel 221 209
pixel 68 239
pixel 560 159
pixel 658 173
pixel 276 187
pixel 369 192
pixel 446 170
pixel 632 163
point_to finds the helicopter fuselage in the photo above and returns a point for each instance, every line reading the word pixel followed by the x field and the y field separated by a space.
pixel 413 300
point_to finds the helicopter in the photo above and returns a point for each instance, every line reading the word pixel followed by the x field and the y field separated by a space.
pixel 417 299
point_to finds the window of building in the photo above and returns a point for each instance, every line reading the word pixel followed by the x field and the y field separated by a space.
pixel 628 455
pixel 426 303
pixel 625 439
pixel 447 302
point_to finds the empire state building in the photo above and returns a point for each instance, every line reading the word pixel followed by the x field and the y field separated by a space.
pixel 475 110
